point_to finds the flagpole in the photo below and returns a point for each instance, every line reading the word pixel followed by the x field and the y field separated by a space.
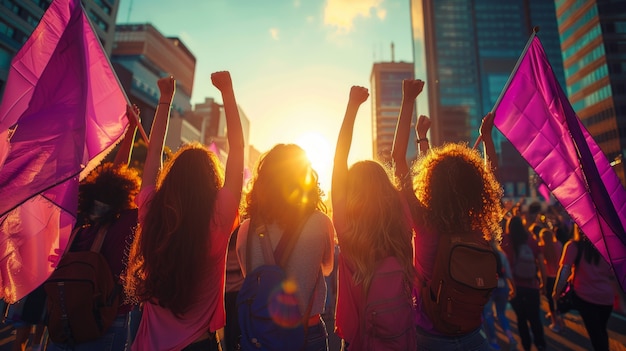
pixel 508 82
pixel 139 126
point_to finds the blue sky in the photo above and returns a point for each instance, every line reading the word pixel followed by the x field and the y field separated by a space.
pixel 292 61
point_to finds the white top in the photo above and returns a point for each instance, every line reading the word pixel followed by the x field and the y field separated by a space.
pixel 311 256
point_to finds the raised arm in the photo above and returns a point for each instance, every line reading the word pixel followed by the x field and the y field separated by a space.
pixel 421 129
pixel 233 178
pixel 154 157
pixel 126 147
pixel 411 88
pixel 491 159
pixel 358 95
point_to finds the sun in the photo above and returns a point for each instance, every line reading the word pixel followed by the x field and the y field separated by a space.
pixel 320 153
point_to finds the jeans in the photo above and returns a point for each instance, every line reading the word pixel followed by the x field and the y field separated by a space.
pixel 317 337
pixel 499 298
pixel 526 307
pixel 113 340
pixel 473 341
pixel 595 317
pixel 208 344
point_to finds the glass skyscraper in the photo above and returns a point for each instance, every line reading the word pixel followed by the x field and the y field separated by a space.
pixel 593 41
pixel 466 52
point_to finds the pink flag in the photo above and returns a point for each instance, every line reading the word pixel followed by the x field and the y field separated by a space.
pixel 542 188
pixel 65 110
pixel 536 117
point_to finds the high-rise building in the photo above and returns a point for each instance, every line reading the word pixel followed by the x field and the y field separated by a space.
pixel 18 19
pixel 466 51
pixel 593 37
pixel 386 85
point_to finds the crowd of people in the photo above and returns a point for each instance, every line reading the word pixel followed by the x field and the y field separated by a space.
pixel 170 249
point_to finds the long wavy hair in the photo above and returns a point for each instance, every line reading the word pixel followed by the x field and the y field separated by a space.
pixel 517 232
pixel 284 189
pixel 589 252
pixel 379 227
pixel 114 185
pixel 170 250
pixel 459 194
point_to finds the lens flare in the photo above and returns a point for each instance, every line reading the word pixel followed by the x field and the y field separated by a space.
pixel 283 305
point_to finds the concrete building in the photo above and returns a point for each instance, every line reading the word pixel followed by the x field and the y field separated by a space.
pixel 467 51
pixel 386 95
pixel 209 118
pixel 593 34
pixel 18 19
pixel 141 56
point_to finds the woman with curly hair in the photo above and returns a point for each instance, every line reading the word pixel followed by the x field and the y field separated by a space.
pixel 285 199
pixel 106 200
pixel 186 215
pixel 374 233
pixel 453 192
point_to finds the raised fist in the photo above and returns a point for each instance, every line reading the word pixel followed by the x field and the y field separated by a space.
pixel 411 88
pixel 358 94
pixel 167 87
pixel 222 81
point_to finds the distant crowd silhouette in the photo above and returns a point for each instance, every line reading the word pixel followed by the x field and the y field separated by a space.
pixel 393 225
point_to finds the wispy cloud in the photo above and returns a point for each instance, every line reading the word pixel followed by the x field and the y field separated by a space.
pixel 342 13
pixel 274 33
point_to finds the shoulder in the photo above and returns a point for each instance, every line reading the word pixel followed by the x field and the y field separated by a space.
pixel 318 220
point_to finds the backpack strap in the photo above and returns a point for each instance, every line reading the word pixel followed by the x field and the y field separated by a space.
pixel 99 239
pixel 266 247
pixel 287 242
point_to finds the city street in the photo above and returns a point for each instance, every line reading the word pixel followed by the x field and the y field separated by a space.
pixel 574 338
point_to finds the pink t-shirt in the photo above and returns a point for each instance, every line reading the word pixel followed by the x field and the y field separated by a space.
pixel 592 283
pixel 160 329
pixel 552 265
pixel 349 301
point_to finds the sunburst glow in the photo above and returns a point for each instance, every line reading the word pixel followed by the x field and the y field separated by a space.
pixel 320 153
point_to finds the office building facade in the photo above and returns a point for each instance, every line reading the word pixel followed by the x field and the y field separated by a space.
pixel 386 95
pixel 467 50
pixel 141 56
pixel 18 19
pixel 593 42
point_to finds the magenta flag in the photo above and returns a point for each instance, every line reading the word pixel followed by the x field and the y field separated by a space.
pixel 535 115
pixel 62 111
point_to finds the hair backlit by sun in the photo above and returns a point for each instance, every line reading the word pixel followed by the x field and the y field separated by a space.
pixel 320 153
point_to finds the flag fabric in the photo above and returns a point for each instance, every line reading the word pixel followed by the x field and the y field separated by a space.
pixel 543 189
pixel 535 115
pixel 63 110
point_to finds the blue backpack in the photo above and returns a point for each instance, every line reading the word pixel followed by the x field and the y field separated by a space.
pixel 267 307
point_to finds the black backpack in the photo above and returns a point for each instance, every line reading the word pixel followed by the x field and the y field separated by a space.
pixel 82 295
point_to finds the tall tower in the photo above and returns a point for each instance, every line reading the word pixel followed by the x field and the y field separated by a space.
pixel 467 49
pixel 18 19
pixel 594 56
pixel 386 82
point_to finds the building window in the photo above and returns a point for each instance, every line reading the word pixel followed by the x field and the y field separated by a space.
pixel 6 29
pixel 105 7
pixel 98 21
